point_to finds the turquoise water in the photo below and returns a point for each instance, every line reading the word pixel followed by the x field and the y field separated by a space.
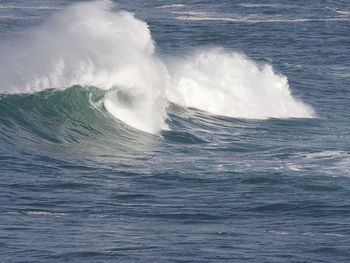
pixel 182 131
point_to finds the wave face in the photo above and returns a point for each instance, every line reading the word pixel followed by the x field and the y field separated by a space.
pixel 89 44
pixel 74 119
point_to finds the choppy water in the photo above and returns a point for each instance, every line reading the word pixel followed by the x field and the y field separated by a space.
pixel 174 131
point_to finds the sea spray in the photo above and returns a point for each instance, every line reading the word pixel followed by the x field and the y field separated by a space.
pixel 89 44
pixel 228 83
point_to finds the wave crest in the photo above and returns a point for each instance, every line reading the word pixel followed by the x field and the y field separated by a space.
pixel 229 84
pixel 89 44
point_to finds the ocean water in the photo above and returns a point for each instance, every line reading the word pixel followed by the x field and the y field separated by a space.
pixel 174 131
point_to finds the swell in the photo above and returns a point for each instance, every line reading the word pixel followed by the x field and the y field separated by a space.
pixel 54 120
pixel 91 44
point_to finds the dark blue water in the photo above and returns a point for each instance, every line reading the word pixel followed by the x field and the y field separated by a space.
pixel 229 141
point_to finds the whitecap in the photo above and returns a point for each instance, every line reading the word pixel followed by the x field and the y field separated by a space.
pixel 89 44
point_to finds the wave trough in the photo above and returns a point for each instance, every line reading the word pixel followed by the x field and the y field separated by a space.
pixel 90 44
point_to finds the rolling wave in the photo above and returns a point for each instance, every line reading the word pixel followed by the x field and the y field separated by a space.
pixel 92 45
pixel 75 118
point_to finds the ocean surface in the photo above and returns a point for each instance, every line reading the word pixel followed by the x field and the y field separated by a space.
pixel 175 131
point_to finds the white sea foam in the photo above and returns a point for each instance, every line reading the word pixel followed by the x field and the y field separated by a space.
pixel 91 45
pixel 268 5
pixel 29 7
pixel 267 20
pixel 44 213
pixel 229 84
pixel 334 235
pixel 326 154
pixel 212 16
pixel 279 232
pixel 171 6
pixel 341 12
pixel 88 44
pixel 17 17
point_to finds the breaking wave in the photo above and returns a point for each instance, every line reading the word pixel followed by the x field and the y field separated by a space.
pixel 92 44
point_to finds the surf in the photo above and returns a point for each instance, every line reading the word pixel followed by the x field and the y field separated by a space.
pixel 95 44
pixel 74 119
